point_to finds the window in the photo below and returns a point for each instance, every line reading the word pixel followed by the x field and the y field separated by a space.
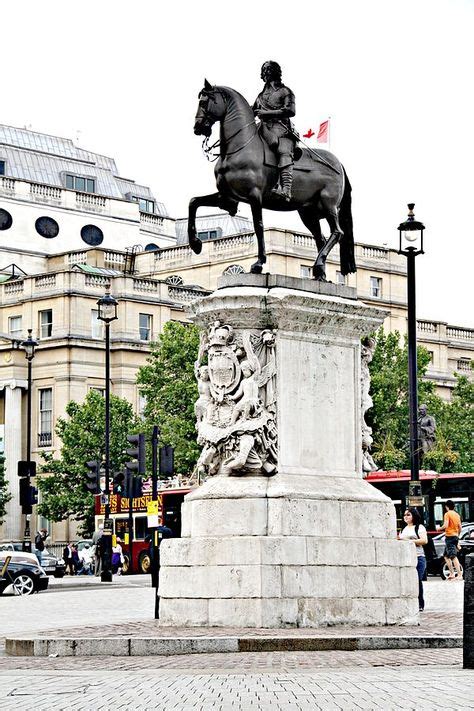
pixel 80 183
pixel 306 272
pixel 141 405
pixel 210 234
pixel 45 436
pixel 96 325
pixel 144 205
pixel 340 279
pixel 431 355
pixel 2 167
pixel 376 287
pixel 140 528
pixel 14 326
pixel 145 327
pixel 234 269
pixel 46 323
pixel 101 391
pixel 174 280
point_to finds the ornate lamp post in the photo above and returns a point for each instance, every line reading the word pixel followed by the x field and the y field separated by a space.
pixel 410 245
pixel 107 313
pixel 29 346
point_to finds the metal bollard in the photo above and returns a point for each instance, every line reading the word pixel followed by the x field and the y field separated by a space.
pixel 468 623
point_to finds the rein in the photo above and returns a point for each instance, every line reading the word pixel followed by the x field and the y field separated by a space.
pixel 211 157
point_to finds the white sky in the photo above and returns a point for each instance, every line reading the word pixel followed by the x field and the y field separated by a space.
pixel 396 77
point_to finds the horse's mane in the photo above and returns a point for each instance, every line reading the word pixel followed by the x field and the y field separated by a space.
pixel 239 101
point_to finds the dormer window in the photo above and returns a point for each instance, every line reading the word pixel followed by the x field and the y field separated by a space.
pixel 2 167
pixel 80 183
pixel 144 205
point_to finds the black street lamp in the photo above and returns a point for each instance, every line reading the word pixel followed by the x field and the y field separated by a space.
pixel 410 245
pixel 29 346
pixel 107 313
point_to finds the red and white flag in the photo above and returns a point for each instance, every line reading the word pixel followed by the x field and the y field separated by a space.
pixel 323 133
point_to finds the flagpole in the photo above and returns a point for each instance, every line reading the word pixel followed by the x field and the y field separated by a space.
pixel 329 133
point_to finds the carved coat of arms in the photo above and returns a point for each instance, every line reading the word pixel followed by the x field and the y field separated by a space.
pixel 236 408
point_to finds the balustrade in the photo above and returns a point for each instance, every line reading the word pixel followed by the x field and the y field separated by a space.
pixel 90 200
pixel 7 184
pixel 145 285
pixel 43 282
pixel 231 242
pixel 460 334
pixel 77 258
pixel 45 191
pixel 14 287
pixel 96 280
pixel 183 294
pixel 374 252
pixel 427 327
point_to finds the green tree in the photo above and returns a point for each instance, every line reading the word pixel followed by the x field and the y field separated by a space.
pixel 169 386
pixel 63 492
pixel 5 495
pixel 389 416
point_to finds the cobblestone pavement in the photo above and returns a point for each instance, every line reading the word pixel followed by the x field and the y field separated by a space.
pixel 348 688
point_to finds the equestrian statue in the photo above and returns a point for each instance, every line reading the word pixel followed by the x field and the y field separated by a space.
pixel 263 165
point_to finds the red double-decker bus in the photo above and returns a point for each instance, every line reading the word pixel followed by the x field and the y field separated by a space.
pixel 436 490
pixel 169 514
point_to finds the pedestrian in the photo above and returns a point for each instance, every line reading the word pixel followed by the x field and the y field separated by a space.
pixel 416 532
pixel 68 560
pixel 86 558
pixel 76 561
pixel 117 558
pixel 97 535
pixel 452 529
pixel 40 539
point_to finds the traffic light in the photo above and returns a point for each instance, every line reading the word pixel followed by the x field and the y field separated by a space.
pixel 26 468
pixel 92 476
pixel 166 461
pixel 119 487
pixel 137 483
pixel 137 453
pixel 28 495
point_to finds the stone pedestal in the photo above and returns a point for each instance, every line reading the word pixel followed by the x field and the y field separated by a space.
pixel 315 543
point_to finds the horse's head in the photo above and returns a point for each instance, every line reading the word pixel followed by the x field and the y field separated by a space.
pixel 211 108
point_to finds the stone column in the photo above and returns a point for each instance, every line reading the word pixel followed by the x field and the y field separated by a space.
pixel 13 526
pixel 315 543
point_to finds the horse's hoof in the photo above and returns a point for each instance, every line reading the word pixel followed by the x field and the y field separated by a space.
pixel 196 245
pixel 256 268
pixel 319 273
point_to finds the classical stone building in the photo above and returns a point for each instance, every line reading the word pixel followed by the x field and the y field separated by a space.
pixel 69 226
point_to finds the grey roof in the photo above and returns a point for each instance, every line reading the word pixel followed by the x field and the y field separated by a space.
pixel 41 158
pixel 229 225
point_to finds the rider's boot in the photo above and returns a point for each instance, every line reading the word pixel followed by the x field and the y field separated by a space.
pixel 286 180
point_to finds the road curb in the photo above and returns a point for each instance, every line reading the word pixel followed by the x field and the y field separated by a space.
pixel 168 646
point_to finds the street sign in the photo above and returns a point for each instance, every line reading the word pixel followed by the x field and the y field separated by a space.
pixel 104 499
pixel 108 527
pixel 152 508
pixel 415 496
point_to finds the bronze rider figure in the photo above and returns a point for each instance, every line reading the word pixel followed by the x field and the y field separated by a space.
pixel 274 106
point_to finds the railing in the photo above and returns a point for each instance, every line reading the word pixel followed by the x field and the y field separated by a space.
pixel 460 334
pixel 183 294
pixel 464 365
pixel 45 439
pixel 96 280
pixel 114 258
pixel 90 200
pixel 77 258
pixel 43 282
pixel 303 241
pixel 230 242
pixel 45 191
pixel 374 252
pixel 183 252
pixel 145 285
pixel 15 287
pixel 7 184
pixel 150 219
pixel 427 327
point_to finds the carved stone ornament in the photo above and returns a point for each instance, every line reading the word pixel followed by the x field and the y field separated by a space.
pixel 367 353
pixel 236 408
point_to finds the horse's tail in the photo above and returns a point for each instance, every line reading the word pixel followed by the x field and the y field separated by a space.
pixel 346 247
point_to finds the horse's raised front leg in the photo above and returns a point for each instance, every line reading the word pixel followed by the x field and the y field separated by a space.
pixel 256 206
pixel 319 267
pixel 213 200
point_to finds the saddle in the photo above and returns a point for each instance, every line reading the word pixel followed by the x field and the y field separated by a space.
pixel 303 158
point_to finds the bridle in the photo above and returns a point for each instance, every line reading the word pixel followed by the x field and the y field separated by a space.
pixel 206 148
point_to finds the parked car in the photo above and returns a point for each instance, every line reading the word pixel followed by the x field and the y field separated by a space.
pixel 23 575
pixel 50 563
pixel 438 566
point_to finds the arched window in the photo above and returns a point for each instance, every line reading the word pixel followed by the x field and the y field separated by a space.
pixel 175 280
pixel 234 269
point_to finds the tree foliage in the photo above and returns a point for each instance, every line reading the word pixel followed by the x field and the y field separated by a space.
pixel 5 495
pixel 63 491
pixel 169 386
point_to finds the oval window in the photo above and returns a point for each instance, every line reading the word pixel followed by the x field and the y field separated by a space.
pixel 150 247
pixel 92 235
pixel 6 220
pixel 47 227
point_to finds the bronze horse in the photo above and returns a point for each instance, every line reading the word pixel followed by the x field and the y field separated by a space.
pixel 245 172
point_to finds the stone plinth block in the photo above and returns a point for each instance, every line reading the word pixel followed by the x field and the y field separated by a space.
pixel 295 538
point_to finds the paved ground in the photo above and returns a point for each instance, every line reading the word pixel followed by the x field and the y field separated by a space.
pixel 391 679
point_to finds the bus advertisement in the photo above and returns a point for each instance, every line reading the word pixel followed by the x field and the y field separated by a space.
pixel 169 514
